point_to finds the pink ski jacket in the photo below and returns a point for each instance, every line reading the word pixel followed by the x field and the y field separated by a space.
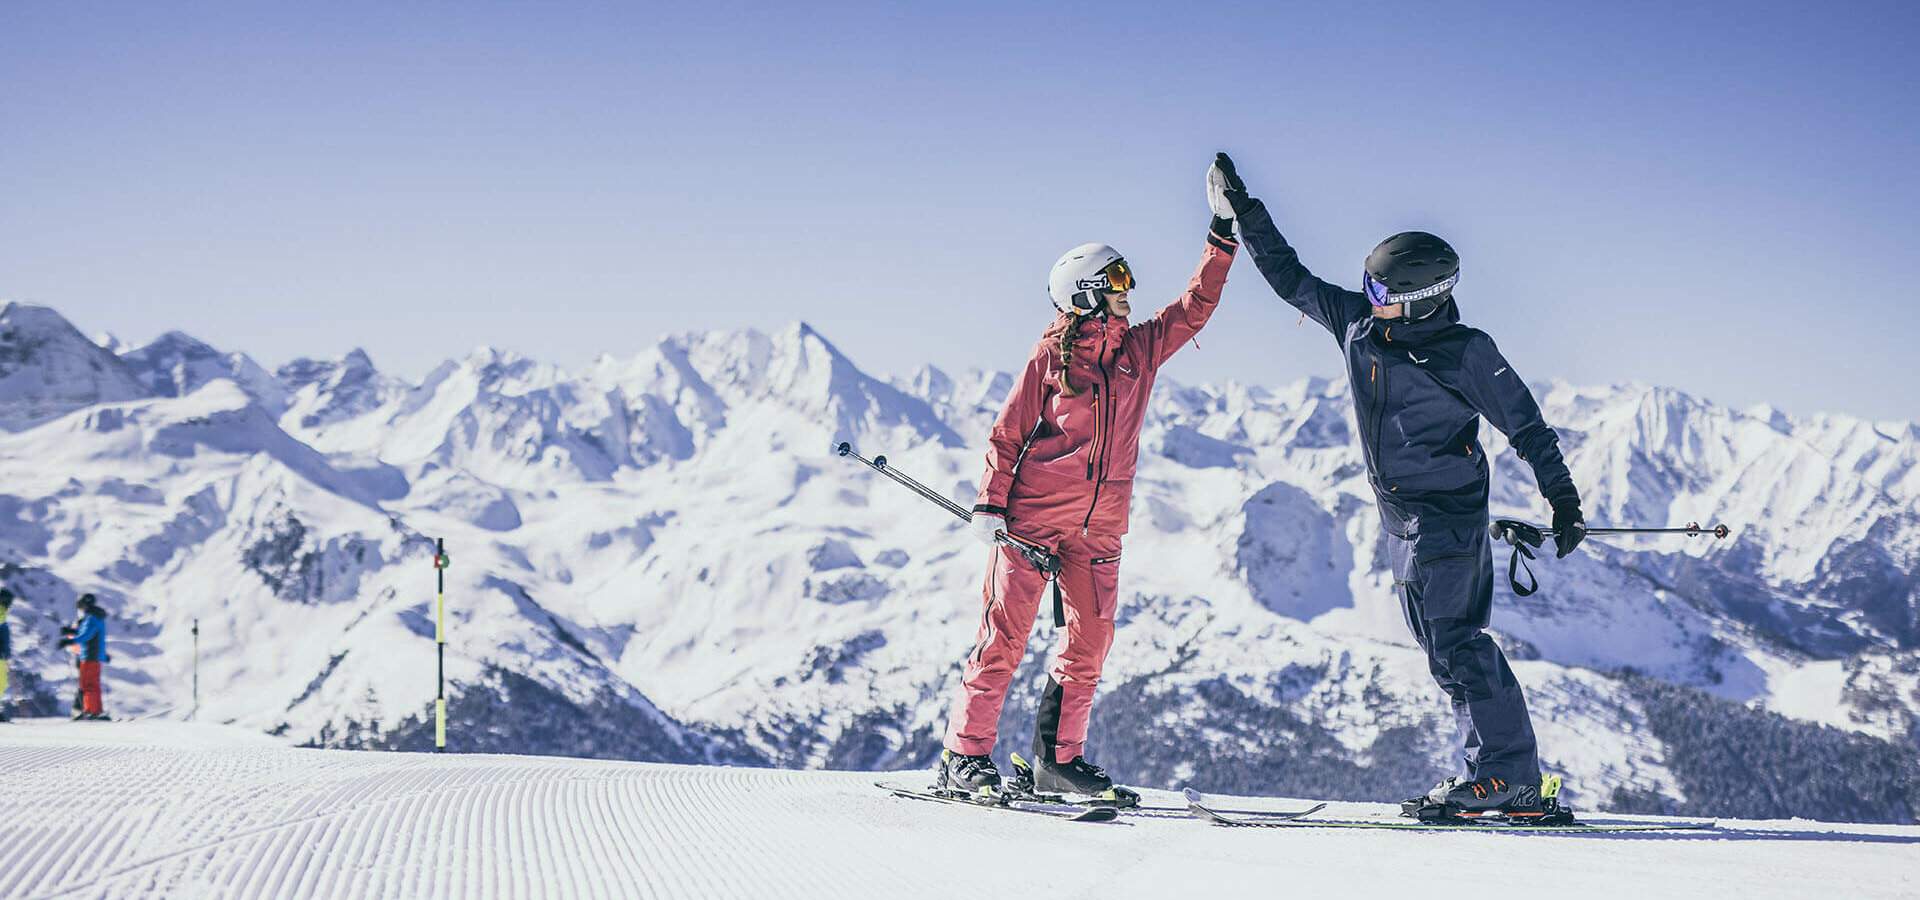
pixel 1066 463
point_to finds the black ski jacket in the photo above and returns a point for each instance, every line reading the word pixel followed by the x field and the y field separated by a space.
pixel 1419 391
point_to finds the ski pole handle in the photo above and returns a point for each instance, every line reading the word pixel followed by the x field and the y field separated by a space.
pixel 1035 553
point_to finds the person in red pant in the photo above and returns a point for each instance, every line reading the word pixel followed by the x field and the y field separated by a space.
pixel 1060 465
pixel 89 640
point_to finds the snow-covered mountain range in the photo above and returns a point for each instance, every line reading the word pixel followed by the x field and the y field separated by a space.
pixel 661 558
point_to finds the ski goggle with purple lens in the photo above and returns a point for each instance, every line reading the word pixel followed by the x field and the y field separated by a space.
pixel 1379 295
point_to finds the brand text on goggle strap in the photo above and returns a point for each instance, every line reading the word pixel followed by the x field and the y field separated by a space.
pixel 1424 292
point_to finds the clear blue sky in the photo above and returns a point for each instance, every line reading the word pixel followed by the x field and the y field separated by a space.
pixel 1716 196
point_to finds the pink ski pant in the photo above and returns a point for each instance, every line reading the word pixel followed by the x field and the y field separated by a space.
pixel 1015 593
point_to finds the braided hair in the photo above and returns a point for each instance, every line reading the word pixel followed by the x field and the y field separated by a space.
pixel 1069 325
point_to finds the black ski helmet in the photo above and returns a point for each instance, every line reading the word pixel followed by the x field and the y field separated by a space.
pixel 1415 268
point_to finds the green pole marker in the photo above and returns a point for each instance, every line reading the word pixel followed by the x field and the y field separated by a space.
pixel 440 563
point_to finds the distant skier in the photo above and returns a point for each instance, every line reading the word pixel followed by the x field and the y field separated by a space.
pixel 1421 383
pixel 89 642
pixel 1060 465
pixel 6 652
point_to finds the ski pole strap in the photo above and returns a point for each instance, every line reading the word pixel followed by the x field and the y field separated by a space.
pixel 1059 606
pixel 1523 537
pixel 1514 565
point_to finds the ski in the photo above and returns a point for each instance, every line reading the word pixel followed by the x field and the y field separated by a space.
pixel 1240 816
pixel 1019 787
pixel 1089 814
pixel 1216 817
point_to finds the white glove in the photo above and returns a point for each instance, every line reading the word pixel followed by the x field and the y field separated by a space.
pixel 984 525
pixel 1217 192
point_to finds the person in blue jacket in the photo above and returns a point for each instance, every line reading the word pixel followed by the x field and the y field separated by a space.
pixel 6 650
pixel 1421 384
pixel 89 640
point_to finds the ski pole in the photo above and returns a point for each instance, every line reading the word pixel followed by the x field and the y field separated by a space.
pixel 1691 529
pixel 440 563
pixel 1523 536
pixel 1034 552
pixel 1515 531
pixel 879 463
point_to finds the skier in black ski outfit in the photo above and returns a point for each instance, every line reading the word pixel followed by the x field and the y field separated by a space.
pixel 1421 383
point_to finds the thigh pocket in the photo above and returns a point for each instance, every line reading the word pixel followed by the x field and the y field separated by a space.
pixel 1400 558
pixel 1443 566
pixel 1446 586
pixel 1106 584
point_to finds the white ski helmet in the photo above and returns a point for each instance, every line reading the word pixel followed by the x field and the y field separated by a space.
pixel 1077 280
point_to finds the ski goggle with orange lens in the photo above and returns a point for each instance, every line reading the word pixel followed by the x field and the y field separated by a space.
pixel 1119 276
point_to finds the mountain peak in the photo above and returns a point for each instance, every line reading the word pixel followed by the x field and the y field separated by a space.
pixel 354 365
pixel 179 341
pixel 48 368
pixel 176 364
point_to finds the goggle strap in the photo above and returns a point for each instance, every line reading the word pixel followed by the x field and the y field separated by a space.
pixel 1432 290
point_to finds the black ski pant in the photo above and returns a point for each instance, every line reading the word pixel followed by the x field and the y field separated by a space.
pixel 1445 577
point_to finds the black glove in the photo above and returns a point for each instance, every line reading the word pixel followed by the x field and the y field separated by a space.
pixel 1569 528
pixel 1226 193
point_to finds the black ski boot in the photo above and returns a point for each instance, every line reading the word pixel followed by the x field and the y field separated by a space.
pixel 1491 798
pixel 973 776
pixel 1076 777
pixel 1046 776
pixel 1024 785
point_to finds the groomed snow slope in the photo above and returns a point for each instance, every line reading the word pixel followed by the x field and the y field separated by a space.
pixel 154 809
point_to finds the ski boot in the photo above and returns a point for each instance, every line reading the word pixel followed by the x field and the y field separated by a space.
pixel 966 777
pixel 1046 773
pixel 1076 777
pixel 1490 800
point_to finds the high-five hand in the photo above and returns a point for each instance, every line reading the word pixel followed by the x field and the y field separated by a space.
pixel 1226 193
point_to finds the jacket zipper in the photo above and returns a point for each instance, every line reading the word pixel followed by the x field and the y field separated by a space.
pixel 1106 380
pixel 1093 450
pixel 1379 414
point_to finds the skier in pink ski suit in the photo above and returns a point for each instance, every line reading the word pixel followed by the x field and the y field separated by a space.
pixel 1060 465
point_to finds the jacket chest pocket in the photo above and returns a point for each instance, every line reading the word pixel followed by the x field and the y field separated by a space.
pixel 1125 371
pixel 1120 384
